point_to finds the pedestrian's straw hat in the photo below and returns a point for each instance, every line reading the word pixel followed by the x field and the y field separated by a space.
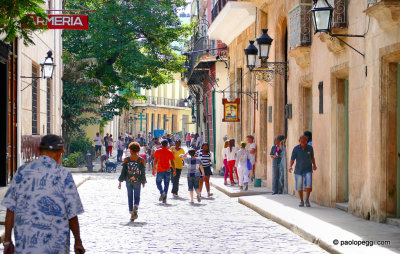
pixel 51 142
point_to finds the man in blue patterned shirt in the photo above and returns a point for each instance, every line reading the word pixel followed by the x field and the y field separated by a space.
pixel 43 204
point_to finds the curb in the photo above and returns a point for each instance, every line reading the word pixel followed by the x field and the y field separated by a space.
pixel 295 229
pixel 77 186
pixel 83 181
pixel 236 194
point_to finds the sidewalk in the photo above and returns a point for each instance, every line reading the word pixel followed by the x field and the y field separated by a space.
pixel 323 225
pixel 318 224
pixel 234 191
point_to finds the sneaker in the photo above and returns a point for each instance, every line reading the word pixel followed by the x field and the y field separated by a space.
pixel 176 195
pixel 198 198
pixel 210 194
pixel 164 201
pixel 301 204
pixel 247 187
pixel 162 197
pixel 307 203
pixel 134 215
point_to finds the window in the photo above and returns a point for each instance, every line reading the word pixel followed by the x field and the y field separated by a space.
pixel 48 99
pixel 35 95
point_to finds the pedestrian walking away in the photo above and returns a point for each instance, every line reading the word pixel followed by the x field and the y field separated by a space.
pixel 231 159
pixel 134 174
pixel 43 204
pixel 120 149
pixel 106 137
pixel 252 155
pixel 195 173
pixel 205 156
pixel 276 155
pixel 241 164
pixel 143 151
pixel 177 151
pixel 303 154
pixel 97 142
pixel 110 145
pixel 163 159
pixel 224 156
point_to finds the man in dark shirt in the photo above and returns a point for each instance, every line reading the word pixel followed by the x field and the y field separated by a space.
pixel 106 142
pixel 305 164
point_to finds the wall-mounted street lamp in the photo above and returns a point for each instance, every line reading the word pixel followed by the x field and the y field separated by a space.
pixel 47 69
pixel 48 66
pixel 194 120
pixel 267 69
pixel 322 16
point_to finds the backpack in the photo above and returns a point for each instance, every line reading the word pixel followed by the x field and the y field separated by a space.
pixel 134 175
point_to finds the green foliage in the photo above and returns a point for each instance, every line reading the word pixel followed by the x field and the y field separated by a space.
pixel 80 144
pixel 74 160
pixel 128 46
pixel 14 19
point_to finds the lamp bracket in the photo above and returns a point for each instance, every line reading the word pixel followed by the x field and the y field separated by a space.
pixel 268 70
pixel 348 45
pixel 252 95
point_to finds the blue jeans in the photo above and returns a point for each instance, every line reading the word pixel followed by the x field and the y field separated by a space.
pixel 133 193
pixel 276 177
pixel 166 177
pixel 119 155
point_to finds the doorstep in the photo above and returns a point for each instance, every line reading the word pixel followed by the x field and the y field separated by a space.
pixel 234 191
pixel 322 225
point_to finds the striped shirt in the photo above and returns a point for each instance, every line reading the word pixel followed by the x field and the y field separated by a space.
pixel 205 158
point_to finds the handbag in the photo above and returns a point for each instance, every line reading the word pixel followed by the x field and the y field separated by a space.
pixel 249 165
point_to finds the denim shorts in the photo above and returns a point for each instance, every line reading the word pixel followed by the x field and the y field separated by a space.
pixel 193 183
pixel 303 181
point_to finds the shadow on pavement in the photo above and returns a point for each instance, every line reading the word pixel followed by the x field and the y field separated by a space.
pixel 136 224
pixel 167 205
pixel 197 204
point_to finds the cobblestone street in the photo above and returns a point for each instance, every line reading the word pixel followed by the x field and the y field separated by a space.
pixel 217 225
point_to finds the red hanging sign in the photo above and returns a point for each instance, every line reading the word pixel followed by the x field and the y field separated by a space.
pixel 67 22
pixel 231 110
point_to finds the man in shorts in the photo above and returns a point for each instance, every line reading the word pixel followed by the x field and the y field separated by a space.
pixel 305 164
pixel 97 141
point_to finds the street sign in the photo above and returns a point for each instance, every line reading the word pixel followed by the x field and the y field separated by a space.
pixel 60 21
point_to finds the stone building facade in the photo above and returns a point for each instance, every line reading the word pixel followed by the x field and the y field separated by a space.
pixel 350 101
pixel 34 105
pixel 162 108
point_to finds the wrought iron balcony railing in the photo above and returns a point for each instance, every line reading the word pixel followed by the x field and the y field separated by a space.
pixel 161 101
pixel 219 5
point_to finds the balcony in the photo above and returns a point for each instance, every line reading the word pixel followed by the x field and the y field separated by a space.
pixel 219 5
pixel 386 12
pixel 161 102
pixel 201 59
pixel 230 19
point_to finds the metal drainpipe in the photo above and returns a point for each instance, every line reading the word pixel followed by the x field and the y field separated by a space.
pixel 214 125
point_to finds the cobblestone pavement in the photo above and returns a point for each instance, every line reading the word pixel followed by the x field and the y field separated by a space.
pixel 217 225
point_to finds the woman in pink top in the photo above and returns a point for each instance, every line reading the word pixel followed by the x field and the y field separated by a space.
pixel 188 139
